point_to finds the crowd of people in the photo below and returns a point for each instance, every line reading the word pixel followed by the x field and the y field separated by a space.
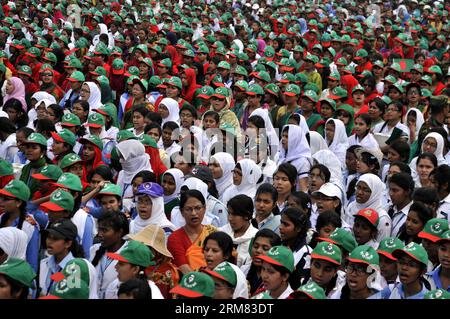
pixel 260 149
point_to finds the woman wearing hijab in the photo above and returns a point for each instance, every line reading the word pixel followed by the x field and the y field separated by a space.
pixel 369 194
pixel 133 159
pixel 316 142
pixel 221 165
pixel 169 110
pixel 188 78
pixel 414 121
pixel 13 243
pixel 150 207
pixel 270 130
pixel 246 174
pixel 15 89
pixel 171 183
pixel 331 161
pixel 295 150
pixel 336 138
pixel 348 82
pixel 91 93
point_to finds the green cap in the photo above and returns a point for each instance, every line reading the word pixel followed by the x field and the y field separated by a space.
pixel 147 140
pixel 379 64
pixel 437 294
pixel 36 138
pixel 96 120
pixel 16 189
pixel 262 295
pixel 427 79
pixel 135 253
pixel 60 200
pixel 195 285
pixel 343 239
pixel 418 68
pixel 49 56
pixel 147 61
pixel 292 90
pixel 358 87
pixel 111 189
pixel 335 76
pixel 64 289
pixel 327 251
pixel 65 136
pixel 255 89
pixel 93 139
pixel 175 81
pixel 221 92
pixel 243 85
pixel 434 229
pixel 99 71
pixel 49 173
pixel 263 75
pixel 165 63
pixel 272 88
pixel 413 250
pixel 364 254
pixel 33 52
pixel 124 135
pixel 298 48
pixel 74 63
pixel 312 290
pixel 287 78
pixel 388 245
pixel 118 66
pixel 269 52
pixel 76 76
pixel 434 69
pixel 25 69
pixel 5 168
pixel 311 95
pixel 19 270
pixel 280 256
pixel 341 61
pixel 301 78
pixel 70 159
pixel 225 272
pixel 240 70
pixel 361 53
pixel 132 70
pixel 70 181
pixel 338 93
pixel 224 65
pixel 311 57
pixel 331 102
pixel 206 92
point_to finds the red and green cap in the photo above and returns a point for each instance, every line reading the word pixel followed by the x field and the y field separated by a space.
pixel 93 139
pixel 283 53
pixel 388 245
pixel 224 65
pixel 76 76
pixel 255 89
pixel 364 254
pixel 287 78
pixel 70 181
pixel 70 120
pixel 6 168
pixel 310 95
pixel 240 70
pixel 280 256
pixel 19 270
pixel 292 90
pixel 241 84
pixel 60 200
pixel 221 92
pixel 426 78
pixel 147 61
pixel 341 61
pixel 358 87
pixel 335 76
pixel 194 285
pixel 25 69
pixel 390 79
pixel 51 57
pixel 206 92
pixel 338 93
pixel 147 140
pixel 437 294
pixel 99 71
pixel 262 75
pixel 298 48
pixel 434 229
pixel 132 71
pixel 64 289
pixel 342 238
pixel 361 53
pixel 118 67
pixel 36 138
pixel 331 102
pixel 33 52
pixel 311 290
pixel 175 81
pixel 418 68
pixel 328 252
pixel 48 173
pixel 111 189
pixel 95 120
pixel 16 189
pixel 370 215
pixel 311 57
pixel 445 236
pixel 69 160
pixel 65 136
pixel 301 78
pixel 269 52
pixel 135 253
pixel 74 63
pixel 77 268
pixel 225 272
pixel 379 64
pixel 272 88
pixel 166 63
pixel 413 250
pixel 124 135
pixel 434 69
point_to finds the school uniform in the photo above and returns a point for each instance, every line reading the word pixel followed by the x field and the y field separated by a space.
pixel 272 222
pixel 243 243
pixel 268 168
pixel 368 141
pixel 384 129
pixel 106 271
pixel 286 293
pixel 435 281
pixel 341 280
pixel 218 209
pixel 86 230
pixel 113 289
pixel 8 148
pixel 444 208
pixel 48 267
pixel 398 293
pixel 398 218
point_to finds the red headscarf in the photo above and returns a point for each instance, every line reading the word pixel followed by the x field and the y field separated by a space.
pixel 349 82
pixel 97 161
pixel 188 92
pixel 157 165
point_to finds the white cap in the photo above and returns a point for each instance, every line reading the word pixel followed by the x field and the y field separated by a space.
pixel 255 6
pixel 329 190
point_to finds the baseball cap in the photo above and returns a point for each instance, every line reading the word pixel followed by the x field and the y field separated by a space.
pixel 328 252
pixel 94 140
pixel 255 89
pixel 64 290
pixel 434 229
pixel 166 63
pixel 221 92
pixel 95 120
pixel 224 271
pixel 194 285
pixel 175 81
pixel 65 136
pixel 60 200
pixel 358 87
pixel 370 215
pixel 375 153
pixel 280 256
pixel 48 173
pixel 70 181
pixel 364 254
pixel 19 270
pixel 151 189
pixel 342 238
pixel 310 95
pixel 63 229
pixel 16 189
pixel 329 190
pixel 388 245
pixel 338 93
pixel 241 84
pixel 135 253
pixel 437 294
pixel 152 236
pixel 110 189
pixel 311 290
pixel 6 168
pixel 36 138
pixel 413 250
pixel 70 119
pixel 272 88
pixel 118 67
pixel 69 160
pixel 292 90
pixel 76 76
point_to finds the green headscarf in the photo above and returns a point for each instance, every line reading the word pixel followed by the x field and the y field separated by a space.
pixel 348 109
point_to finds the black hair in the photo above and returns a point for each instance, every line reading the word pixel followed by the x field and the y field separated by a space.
pixel 290 171
pixel 212 114
pixel 22 117
pixel 171 126
pixel 423 212
pixel 118 222
pixel 403 167
pixel 151 126
pixel 302 199
pixel 328 218
pixel 323 170
pixel 267 188
pixel 403 181
pixel 370 160
pixel 398 105
pixel 441 175
pixel 437 106
pixel 25 130
pixel 58 111
pixel 301 222
pixel 17 286
pixel 22 216
pixel 84 104
pixel 7 126
pixel 367 119
pixel 241 205
pixel 104 171
pixel 137 288
pixel 370 79
pixel 190 109
pixel 45 127
pixel 257 120
pixel 402 148
pixel 154 117
pixel 429 156
pixel 141 109
pixel 225 242
pixel 426 195
pixel 191 193
pixel 381 105
pixel 147 176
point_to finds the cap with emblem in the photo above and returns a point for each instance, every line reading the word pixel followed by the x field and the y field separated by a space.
pixel 76 76
pixel 135 253
pixel 206 92
pixel 70 181
pixel 69 160
pixel 66 290
pixel 310 95
pixel 255 89
pixel 272 89
pixel 225 272
pixel 25 69
pixel 60 200
pixel 95 120
pixel 70 120
pixel 413 250
pixel 311 290
pixel 364 254
pixel 94 140
pixel 388 245
pixel 221 92
pixel 195 285
pixel 434 229
pixel 18 270
pixel 48 173
pixel 368 214
pixel 342 238
pixel 165 63
pixel 63 229
pixel 16 189
pixel 241 84
pixel 292 90
pixel 64 136
pixel 437 294
pixel 36 138
pixel 175 81
pixel 280 256
pixel 328 252
pixel 6 168
pixel 111 189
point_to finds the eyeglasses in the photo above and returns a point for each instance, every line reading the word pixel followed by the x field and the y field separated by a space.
pixel 189 210
pixel 391 110
pixel 430 144
pixel 47 74
pixel 359 269
pixel 215 98
pixel 186 115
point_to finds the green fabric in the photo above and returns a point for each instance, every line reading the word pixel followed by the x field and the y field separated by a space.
pixel 25 177
pixel 313 119
pixel 171 205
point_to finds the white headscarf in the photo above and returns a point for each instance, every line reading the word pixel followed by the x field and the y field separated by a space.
pixel 198 184
pixel 339 145
pixel 158 217
pixel 227 163
pixel 95 97
pixel 134 160
pixel 271 134
pixel 439 152
pixel 330 160
pixel 174 110
pixel 251 173
pixel 178 177
pixel 419 119
pixel 297 145
pixel 13 242
pixel 316 142
pixel 41 95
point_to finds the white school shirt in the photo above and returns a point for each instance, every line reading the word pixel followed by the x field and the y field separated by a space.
pixel 399 218
pixel 113 289
pixel 368 141
pixel 444 209
pixel 243 243
pixel 286 293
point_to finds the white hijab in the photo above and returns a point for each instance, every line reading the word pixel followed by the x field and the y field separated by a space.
pixel 13 242
pixel 174 110
pixel 316 142
pixel 95 97
pixel 227 163
pixel 251 173
pixel 178 177
pixel 439 152
pixel 134 160
pixel 297 145
pixel 157 218
pixel 419 119
pixel 270 130
pixel 339 144
pixel 41 95
pixel 330 160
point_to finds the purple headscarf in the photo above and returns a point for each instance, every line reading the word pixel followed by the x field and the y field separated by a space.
pixel 261 46
pixel 18 92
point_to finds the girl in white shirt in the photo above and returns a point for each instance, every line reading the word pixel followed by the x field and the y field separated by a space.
pixel 362 135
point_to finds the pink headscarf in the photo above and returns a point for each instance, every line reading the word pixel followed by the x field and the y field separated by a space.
pixel 18 92
pixel 261 46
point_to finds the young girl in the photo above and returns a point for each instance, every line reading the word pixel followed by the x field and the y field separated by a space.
pixel 440 278
pixel 240 211
pixel 150 207
pixel 112 227
pixel 401 187
pixel 327 222
pixel 221 165
pixel 13 201
pixel 62 247
pixel 293 232
pixel 63 143
pixel 91 153
pixel 138 119
pixel 169 110
pixel 336 138
pixel 365 227
pixel 138 179
pixel 432 143
pixel 284 181
pixel 397 151
pixel 295 150
pixel 426 163
pixel 318 176
pixel 171 184
pixel 266 210
pixel 388 264
pixel 418 216
pixel 276 269
pixel 431 234
pixel 225 279
pixel 16 279
pixel 412 265
pixel 327 198
pixel 363 137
